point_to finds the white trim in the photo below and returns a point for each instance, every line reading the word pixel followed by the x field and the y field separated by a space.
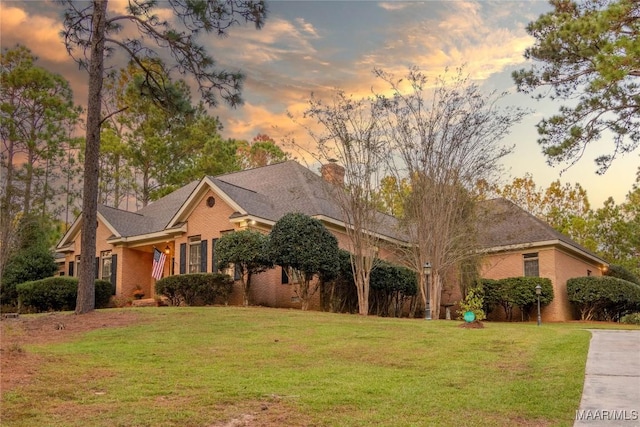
pixel 75 228
pixel 108 225
pixel 143 239
pixel 189 204
pixel 556 242
pixel 342 224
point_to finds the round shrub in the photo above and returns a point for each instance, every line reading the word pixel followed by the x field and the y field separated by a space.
pixel 622 273
pixel 59 294
pixel 603 297
pixel 194 289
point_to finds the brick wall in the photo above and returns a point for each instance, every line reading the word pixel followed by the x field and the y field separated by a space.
pixel 555 264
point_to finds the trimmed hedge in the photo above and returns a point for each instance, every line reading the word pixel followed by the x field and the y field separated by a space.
pixel 390 286
pixel 603 297
pixel 58 294
pixel 195 289
pixel 620 272
pixel 516 292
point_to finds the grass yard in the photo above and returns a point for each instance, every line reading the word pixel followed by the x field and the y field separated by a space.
pixel 231 366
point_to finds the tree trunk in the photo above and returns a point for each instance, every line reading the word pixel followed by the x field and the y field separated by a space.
pixel 86 285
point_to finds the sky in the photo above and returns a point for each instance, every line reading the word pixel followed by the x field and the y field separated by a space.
pixel 318 46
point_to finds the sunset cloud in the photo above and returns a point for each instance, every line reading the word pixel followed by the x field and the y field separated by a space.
pixel 40 33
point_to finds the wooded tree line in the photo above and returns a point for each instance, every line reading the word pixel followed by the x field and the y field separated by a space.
pixel 146 152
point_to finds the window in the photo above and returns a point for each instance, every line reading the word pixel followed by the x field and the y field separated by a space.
pixel 589 272
pixel 195 254
pixel 77 265
pixel 531 266
pixel 284 278
pixel 105 265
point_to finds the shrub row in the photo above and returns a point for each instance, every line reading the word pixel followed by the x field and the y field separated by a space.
pixel 515 292
pixel 58 293
pixel 196 289
pixel 603 297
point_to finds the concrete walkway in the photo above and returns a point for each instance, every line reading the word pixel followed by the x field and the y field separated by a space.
pixel 611 393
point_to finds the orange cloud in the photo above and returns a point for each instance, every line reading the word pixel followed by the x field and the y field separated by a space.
pixel 39 33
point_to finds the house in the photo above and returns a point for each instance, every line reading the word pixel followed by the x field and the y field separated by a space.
pixel 187 223
pixel 515 243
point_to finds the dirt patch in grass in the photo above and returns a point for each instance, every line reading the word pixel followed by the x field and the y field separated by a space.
pixel 18 366
pixel 472 325
pixel 270 412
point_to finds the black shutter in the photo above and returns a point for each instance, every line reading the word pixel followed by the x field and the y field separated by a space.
pixel 284 279
pixel 71 264
pixel 97 267
pixel 214 259
pixel 183 258
pixel 236 273
pixel 203 256
pixel 114 271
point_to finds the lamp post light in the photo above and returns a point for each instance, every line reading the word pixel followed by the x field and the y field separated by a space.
pixel 538 292
pixel 427 273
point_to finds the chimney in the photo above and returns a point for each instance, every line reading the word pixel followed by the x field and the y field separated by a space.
pixel 332 172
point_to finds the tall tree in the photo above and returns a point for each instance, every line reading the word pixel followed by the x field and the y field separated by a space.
pixel 350 135
pixel 36 115
pixel 588 53
pixel 91 34
pixel 261 151
pixel 445 139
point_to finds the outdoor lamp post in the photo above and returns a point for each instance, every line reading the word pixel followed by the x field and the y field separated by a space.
pixel 538 292
pixel 427 273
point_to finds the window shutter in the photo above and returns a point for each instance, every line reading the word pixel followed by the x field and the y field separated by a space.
pixel 284 278
pixel 214 259
pixel 203 256
pixel 114 270
pixel 236 273
pixel 71 264
pixel 97 267
pixel 183 258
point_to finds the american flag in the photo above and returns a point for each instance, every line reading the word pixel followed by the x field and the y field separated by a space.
pixel 158 264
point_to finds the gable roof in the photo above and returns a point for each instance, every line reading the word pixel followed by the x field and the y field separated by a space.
pixel 272 191
pixel 266 193
pixel 503 225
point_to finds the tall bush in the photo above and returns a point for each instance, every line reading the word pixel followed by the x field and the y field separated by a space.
pixel 58 294
pixel 338 293
pixel 391 285
pixel 194 289
pixel 516 292
pixel 603 297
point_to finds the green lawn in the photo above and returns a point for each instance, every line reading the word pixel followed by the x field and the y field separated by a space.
pixel 210 366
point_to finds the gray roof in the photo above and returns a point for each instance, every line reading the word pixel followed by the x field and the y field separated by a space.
pixel 272 191
pixel 267 192
pixel 503 223
pixel 152 218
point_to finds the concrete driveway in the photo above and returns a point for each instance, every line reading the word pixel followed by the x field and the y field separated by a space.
pixel 611 393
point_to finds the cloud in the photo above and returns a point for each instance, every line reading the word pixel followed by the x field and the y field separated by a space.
pixel 458 33
pixel 392 5
pixel 42 37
